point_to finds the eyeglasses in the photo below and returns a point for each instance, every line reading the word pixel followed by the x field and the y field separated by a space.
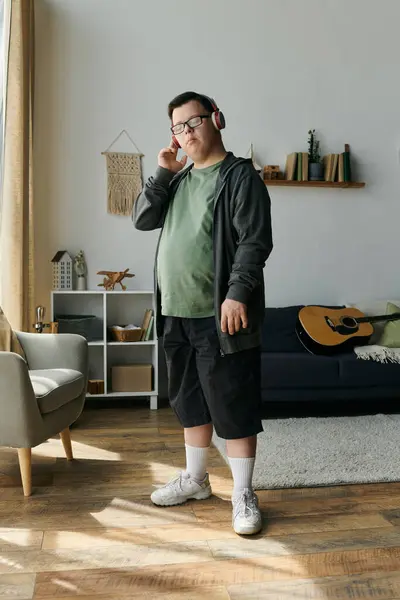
pixel 193 123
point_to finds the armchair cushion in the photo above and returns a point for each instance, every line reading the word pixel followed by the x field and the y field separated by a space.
pixel 55 387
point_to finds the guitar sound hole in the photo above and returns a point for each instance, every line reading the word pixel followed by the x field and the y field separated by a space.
pixel 349 322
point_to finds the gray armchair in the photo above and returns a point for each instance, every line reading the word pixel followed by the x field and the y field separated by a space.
pixel 42 396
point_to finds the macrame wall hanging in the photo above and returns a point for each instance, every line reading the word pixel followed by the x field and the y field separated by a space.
pixel 124 178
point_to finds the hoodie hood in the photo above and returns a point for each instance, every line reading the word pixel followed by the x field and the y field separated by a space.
pixel 231 162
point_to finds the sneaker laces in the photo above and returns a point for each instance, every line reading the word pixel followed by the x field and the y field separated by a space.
pixel 246 504
pixel 177 481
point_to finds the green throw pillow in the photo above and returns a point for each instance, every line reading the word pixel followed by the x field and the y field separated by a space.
pixel 391 332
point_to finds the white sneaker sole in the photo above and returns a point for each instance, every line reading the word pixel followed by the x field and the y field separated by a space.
pixel 202 495
pixel 247 530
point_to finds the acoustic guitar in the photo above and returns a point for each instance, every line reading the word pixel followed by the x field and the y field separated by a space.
pixel 336 330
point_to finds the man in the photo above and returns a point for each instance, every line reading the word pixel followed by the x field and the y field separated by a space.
pixel 215 239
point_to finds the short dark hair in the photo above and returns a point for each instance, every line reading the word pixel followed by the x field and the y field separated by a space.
pixel 188 97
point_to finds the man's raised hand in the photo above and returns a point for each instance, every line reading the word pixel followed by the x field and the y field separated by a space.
pixel 167 158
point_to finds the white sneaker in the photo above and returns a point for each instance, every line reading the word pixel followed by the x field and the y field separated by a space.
pixel 180 489
pixel 246 516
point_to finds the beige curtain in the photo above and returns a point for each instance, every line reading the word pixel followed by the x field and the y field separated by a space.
pixel 16 224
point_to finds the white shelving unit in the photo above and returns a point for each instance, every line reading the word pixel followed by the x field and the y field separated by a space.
pixel 112 307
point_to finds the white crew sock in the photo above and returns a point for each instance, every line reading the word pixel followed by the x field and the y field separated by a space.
pixel 196 462
pixel 242 472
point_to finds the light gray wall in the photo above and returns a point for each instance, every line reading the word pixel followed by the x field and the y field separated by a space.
pixel 276 69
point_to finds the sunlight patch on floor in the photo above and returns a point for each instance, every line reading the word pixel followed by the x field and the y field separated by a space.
pixel 301 589
pixel 66 585
pixel 8 563
pixel 156 469
pixel 124 511
pixel 113 536
pixel 53 448
pixel 20 537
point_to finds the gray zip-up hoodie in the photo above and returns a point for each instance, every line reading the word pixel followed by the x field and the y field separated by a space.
pixel 242 240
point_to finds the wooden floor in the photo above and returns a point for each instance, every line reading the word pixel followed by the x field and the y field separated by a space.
pixel 89 530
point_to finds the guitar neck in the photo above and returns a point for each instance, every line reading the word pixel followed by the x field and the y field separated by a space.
pixel 376 319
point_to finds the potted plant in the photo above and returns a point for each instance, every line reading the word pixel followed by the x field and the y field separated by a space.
pixel 314 158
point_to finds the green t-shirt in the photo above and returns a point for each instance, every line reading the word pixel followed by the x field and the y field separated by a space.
pixel 185 268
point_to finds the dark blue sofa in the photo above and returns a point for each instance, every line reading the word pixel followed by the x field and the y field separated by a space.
pixel 290 373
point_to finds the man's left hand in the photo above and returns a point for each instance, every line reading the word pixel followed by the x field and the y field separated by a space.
pixel 233 316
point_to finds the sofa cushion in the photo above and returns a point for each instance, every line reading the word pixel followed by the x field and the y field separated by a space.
pixel 391 330
pixel 298 370
pixel 55 387
pixel 279 330
pixel 356 372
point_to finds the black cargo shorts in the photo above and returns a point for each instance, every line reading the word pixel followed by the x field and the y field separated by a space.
pixel 208 387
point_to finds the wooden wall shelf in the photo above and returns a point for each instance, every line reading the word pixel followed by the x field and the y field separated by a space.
pixel 325 184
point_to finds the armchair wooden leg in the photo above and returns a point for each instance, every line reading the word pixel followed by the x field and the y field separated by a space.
pixel 25 466
pixel 66 440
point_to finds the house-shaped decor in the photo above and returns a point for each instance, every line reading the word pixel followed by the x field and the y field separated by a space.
pixel 62 271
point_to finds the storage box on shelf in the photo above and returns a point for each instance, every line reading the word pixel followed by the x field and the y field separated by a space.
pixel 95 386
pixel 131 378
pixel 106 351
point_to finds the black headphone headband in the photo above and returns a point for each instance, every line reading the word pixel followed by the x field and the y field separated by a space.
pixel 211 101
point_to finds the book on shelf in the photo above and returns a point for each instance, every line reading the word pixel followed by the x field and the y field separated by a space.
pixel 291 164
pixel 341 168
pixel 299 166
pixel 346 161
pixel 149 329
pixel 304 162
pixel 334 167
pixel 327 162
pixel 337 166
pixel 146 323
pixel 331 167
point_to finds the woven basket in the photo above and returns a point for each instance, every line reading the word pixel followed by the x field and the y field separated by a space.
pixel 126 335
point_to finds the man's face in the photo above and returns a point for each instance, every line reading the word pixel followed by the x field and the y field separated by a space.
pixel 196 142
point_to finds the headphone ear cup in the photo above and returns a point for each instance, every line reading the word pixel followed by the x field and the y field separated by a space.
pixel 218 120
pixel 221 119
pixel 177 144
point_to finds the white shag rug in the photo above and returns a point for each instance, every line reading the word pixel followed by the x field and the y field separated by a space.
pixel 324 451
